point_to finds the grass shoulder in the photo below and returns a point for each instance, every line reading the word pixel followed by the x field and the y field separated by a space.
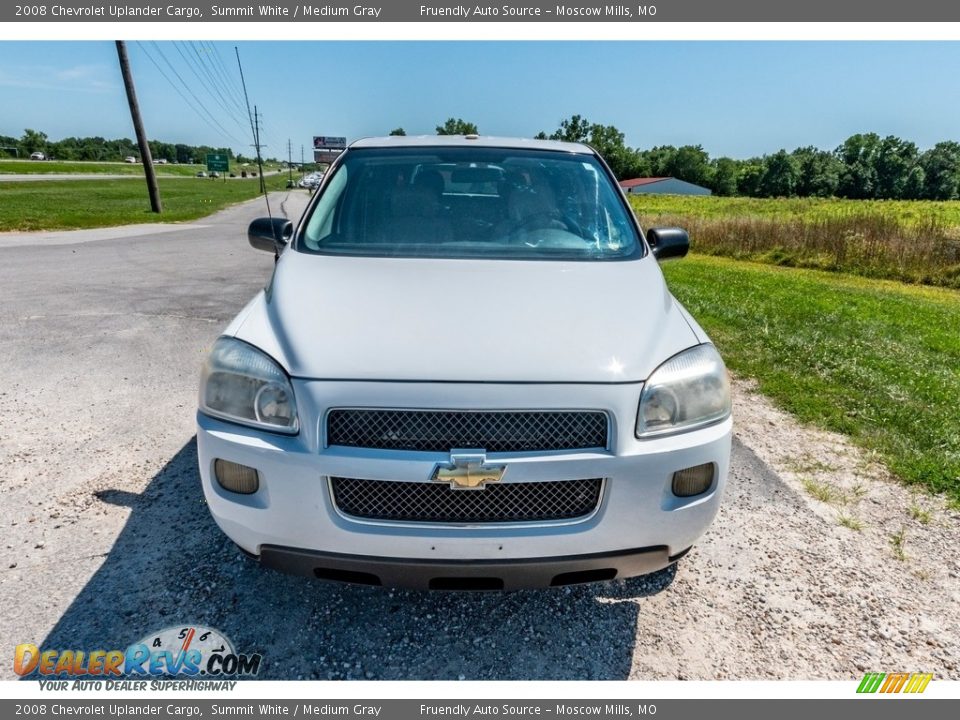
pixel 78 204
pixel 876 360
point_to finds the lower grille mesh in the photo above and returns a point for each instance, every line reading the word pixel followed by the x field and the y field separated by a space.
pixel 438 502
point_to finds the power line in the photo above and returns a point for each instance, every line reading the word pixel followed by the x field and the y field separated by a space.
pixel 178 90
pixel 254 127
pixel 246 97
pixel 230 83
pixel 205 58
pixel 213 88
pixel 212 118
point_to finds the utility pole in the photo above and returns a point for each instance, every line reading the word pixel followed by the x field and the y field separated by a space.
pixel 256 140
pixel 152 188
pixel 289 163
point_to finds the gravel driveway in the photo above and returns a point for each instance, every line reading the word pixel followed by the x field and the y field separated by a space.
pixel 106 536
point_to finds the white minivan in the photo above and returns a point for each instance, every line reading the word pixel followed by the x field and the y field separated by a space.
pixel 466 372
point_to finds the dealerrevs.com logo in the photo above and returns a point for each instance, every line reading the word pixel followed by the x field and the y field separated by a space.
pixel 183 652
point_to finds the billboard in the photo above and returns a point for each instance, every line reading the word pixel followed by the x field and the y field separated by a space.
pixel 329 142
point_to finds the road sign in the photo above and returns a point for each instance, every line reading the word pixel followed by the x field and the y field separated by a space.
pixel 217 163
pixel 329 142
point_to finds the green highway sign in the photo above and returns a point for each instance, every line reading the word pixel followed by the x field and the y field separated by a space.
pixel 217 162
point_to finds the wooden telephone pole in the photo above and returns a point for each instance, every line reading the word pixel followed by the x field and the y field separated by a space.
pixel 145 155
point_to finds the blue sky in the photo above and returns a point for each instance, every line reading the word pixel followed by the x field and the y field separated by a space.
pixel 735 98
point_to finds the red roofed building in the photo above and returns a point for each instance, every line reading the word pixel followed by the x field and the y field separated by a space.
pixel 662 186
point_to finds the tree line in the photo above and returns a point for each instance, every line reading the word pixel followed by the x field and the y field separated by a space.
pixel 864 166
pixel 103 150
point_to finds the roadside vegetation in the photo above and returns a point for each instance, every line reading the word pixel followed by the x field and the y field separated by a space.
pixel 909 240
pixel 98 149
pixel 58 167
pixel 876 360
pixel 75 204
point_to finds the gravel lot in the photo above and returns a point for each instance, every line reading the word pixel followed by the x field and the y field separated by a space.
pixel 106 536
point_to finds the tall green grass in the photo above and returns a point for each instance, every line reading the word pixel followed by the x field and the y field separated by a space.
pixel 917 242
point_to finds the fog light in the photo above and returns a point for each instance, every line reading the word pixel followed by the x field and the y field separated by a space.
pixel 693 480
pixel 235 477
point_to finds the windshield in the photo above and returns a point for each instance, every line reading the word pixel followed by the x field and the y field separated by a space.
pixel 471 202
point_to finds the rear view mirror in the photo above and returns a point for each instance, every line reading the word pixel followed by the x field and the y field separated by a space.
pixel 270 234
pixel 668 243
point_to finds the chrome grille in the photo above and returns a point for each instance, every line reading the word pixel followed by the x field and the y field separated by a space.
pixel 444 430
pixel 438 502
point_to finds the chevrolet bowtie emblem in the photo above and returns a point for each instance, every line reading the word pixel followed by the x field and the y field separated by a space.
pixel 468 471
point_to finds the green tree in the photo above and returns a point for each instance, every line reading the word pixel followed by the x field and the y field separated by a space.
pixel 858 176
pixel 659 158
pixel 609 142
pixel 914 186
pixel 819 172
pixel 781 173
pixel 33 141
pixel 690 163
pixel 894 162
pixel 751 173
pixel 941 168
pixel 575 129
pixel 457 126
pixel 400 131
pixel 725 173
pixel 625 162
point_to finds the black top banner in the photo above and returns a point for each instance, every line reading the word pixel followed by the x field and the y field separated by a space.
pixel 859 11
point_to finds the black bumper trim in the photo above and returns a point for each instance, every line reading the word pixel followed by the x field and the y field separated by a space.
pixel 421 574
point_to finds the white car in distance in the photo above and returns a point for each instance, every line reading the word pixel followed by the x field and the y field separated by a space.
pixel 466 372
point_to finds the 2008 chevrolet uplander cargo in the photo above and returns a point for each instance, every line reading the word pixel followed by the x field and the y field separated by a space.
pixel 466 372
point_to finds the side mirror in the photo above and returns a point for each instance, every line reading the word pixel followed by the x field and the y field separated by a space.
pixel 668 242
pixel 270 234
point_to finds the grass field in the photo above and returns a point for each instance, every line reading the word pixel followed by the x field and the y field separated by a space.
pixel 718 208
pixel 913 241
pixel 876 360
pixel 73 204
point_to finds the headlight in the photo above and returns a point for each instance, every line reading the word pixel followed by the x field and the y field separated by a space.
pixel 688 391
pixel 244 385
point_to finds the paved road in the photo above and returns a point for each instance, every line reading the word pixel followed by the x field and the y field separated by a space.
pixel 106 536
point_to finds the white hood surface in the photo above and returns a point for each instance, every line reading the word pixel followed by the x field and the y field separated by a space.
pixel 329 317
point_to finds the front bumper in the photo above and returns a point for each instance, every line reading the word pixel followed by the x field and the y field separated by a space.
pixel 467 574
pixel 292 523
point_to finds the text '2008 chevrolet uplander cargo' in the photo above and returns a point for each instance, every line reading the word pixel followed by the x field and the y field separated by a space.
pixel 466 372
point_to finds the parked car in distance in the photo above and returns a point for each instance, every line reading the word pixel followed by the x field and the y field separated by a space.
pixel 311 181
pixel 130 159
pixel 38 156
pixel 466 373
pixel 202 173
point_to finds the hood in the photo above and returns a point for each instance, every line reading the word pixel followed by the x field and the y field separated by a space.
pixel 328 317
